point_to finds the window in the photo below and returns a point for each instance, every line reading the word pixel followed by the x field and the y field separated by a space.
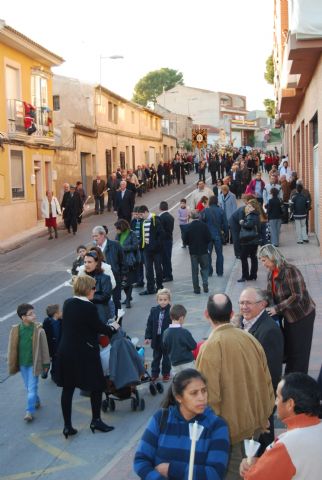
pixel 17 175
pixel 39 91
pixel 132 117
pixel 110 111
pixel 116 114
pixel 56 102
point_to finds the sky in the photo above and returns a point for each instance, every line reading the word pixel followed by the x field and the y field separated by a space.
pixel 217 45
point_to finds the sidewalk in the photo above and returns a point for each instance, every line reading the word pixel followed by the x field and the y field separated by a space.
pixel 306 257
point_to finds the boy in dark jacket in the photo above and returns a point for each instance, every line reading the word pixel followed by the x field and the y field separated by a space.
pixel 158 321
pixel 52 327
pixel 178 341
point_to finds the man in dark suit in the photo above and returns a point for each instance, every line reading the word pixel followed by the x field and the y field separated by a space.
pixel 256 321
pixel 197 236
pixel 124 202
pixel 112 185
pixel 72 208
pixel 167 222
pixel 98 189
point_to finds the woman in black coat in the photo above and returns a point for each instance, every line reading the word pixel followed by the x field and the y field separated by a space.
pixel 249 238
pixel 78 356
pixel 103 285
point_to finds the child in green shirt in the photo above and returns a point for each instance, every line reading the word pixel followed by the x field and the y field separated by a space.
pixel 28 353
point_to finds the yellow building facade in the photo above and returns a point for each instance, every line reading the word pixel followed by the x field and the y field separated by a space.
pixel 26 130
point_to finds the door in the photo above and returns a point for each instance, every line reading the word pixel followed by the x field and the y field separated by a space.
pixel 133 157
pixel 83 169
pixel 108 163
pixel 38 188
pixel 316 191
pixel 151 155
pixel 122 160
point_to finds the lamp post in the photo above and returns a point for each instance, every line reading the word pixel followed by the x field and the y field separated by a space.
pixel 110 57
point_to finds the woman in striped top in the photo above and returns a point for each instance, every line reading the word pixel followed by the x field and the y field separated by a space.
pixel 164 449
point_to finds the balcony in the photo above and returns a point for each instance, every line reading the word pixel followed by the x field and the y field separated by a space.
pixel 29 124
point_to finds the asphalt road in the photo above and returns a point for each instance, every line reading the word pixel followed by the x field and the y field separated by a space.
pixel 36 273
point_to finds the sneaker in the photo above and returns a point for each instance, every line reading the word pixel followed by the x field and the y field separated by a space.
pixel 166 378
pixel 300 243
pixel 28 417
pixel 205 288
pixel 306 241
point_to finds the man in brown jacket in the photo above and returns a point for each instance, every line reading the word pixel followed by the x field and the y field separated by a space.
pixel 28 353
pixel 239 383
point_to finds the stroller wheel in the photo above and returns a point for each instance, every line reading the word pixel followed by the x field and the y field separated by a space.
pixel 111 404
pixel 152 389
pixel 142 404
pixel 159 387
pixel 133 404
pixel 105 405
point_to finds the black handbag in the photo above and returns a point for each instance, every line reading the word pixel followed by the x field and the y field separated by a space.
pixel 248 234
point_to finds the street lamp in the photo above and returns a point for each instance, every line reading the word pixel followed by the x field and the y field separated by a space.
pixel 110 57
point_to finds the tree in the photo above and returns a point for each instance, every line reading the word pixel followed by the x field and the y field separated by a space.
pixel 152 84
pixel 269 73
pixel 270 107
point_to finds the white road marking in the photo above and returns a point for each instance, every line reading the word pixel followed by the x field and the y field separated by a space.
pixel 36 300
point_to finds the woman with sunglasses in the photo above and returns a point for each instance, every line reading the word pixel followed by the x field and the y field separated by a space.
pixel 103 286
pixel 78 357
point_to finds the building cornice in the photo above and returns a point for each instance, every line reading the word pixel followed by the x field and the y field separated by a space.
pixel 16 40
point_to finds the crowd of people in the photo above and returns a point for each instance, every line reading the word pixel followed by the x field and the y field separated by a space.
pixel 228 383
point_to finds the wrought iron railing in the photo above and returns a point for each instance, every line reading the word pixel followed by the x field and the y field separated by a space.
pixel 23 117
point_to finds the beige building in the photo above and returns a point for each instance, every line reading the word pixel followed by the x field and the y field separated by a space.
pixel 206 107
pixel 26 130
pixel 298 89
pixel 175 124
pixel 98 131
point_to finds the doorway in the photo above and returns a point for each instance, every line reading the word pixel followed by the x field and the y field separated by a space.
pixel 108 163
pixel 316 192
pixel 38 188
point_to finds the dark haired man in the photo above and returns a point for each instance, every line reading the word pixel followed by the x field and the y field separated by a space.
pixel 295 453
pixel 239 383
pixel 167 222
pixel 152 237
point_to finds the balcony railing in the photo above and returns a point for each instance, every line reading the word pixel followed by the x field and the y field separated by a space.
pixel 24 118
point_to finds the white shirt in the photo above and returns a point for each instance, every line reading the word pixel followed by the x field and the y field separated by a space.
pixel 102 247
pixel 249 323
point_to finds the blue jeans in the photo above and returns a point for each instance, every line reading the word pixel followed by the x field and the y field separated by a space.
pixel 217 243
pixel 31 384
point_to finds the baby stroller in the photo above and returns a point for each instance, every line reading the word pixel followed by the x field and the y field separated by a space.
pixel 123 368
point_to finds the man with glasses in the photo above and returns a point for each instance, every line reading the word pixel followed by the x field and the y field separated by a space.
pixel 256 321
